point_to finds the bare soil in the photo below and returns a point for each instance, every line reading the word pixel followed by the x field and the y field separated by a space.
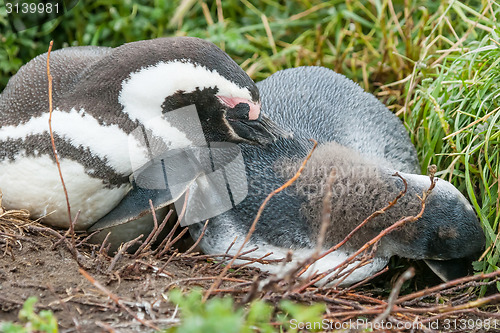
pixel 129 293
pixel 34 262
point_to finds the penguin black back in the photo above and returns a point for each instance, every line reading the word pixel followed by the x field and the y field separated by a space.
pixel 18 107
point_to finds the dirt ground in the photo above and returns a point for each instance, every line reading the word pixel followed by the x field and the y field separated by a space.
pixel 34 263
pixel 129 293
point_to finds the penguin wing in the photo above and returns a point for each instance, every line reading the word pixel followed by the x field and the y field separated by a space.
pixel 163 181
pixel 134 206
pixel 215 177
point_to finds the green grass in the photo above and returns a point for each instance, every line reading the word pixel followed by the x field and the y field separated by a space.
pixel 44 321
pixel 455 124
pixel 434 63
pixel 373 42
pixel 221 315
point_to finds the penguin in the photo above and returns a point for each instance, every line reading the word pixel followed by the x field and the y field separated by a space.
pixel 365 145
pixel 113 109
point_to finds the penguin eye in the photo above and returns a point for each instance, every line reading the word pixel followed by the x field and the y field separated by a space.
pixel 240 108
pixel 239 112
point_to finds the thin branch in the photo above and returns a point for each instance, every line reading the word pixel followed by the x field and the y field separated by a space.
pixel 123 248
pixel 198 240
pixel 391 301
pixel 326 214
pixel 115 299
pixel 460 281
pixel 54 150
pixel 369 218
pixel 375 239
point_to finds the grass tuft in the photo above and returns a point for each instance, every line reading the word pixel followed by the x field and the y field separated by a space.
pixel 455 123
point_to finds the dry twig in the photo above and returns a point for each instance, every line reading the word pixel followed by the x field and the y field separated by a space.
pixel 56 155
pixel 115 299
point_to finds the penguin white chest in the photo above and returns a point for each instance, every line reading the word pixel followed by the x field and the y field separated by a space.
pixel 34 183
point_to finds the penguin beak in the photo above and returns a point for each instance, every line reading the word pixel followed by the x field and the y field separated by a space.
pixel 275 129
pixel 451 269
pixel 249 124
pixel 262 131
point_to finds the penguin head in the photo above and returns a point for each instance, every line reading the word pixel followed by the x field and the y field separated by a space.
pixel 448 236
pixel 246 123
pixel 227 112
pixel 448 228
pixel 184 71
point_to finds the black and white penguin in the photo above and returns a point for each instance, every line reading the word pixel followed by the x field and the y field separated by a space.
pixel 365 144
pixel 102 98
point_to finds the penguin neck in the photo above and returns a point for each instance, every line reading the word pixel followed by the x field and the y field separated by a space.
pixel 281 223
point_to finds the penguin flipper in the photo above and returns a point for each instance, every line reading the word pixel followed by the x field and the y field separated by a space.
pixel 154 181
pixel 132 217
pixel 134 206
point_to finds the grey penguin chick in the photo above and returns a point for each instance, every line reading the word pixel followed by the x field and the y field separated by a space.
pixel 364 144
pixel 103 97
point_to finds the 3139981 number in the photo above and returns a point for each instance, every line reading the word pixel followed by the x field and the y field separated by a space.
pixel 32 8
